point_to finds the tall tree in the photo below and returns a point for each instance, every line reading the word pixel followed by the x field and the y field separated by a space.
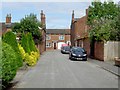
pixel 101 18
pixel 29 24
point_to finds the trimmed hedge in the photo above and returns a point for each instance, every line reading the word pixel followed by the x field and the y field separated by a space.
pixel 31 43
pixel 31 59
pixel 10 38
pixel 28 49
pixel 25 43
pixel 22 51
pixel 0 61
pixel 9 64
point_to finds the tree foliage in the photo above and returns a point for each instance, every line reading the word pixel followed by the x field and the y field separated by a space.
pixel 101 19
pixel 117 25
pixel 27 43
pixel 31 43
pixel 29 24
pixel 9 64
pixel 10 39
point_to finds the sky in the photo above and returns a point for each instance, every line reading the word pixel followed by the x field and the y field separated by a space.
pixel 58 14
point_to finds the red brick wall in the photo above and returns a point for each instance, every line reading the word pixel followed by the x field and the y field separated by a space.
pixel 79 29
pixel 73 30
pixel 99 51
pixel 86 45
pixel 67 37
pixel 81 26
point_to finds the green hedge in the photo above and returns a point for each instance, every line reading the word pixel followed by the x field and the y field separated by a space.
pixel 31 42
pixel 24 43
pixel 8 63
pixel 27 43
pixel 10 38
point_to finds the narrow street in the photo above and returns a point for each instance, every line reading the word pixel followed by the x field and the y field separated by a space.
pixel 55 70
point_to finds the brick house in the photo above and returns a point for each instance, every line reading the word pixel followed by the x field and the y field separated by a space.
pixel 56 37
pixel 6 26
pixel 79 32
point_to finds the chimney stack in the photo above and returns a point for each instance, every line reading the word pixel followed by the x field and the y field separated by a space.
pixel 8 18
pixel 73 16
pixel 87 10
pixel 43 18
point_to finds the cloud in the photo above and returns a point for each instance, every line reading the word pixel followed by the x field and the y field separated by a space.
pixel 46 0
pixel 54 0
pixel 15 5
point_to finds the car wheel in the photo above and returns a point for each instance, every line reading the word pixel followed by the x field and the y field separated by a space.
pixel 85 59
pixel 69 57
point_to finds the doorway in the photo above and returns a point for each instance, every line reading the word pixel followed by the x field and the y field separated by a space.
pixel 55 46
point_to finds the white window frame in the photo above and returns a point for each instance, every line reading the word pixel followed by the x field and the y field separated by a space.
pixel 61 37
pixel 48 44
pixel 48 37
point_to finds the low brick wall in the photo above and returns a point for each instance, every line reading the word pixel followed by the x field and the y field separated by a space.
pixel 86 45
pixel 99 50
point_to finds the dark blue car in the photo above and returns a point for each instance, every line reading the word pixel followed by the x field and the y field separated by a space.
pixel 78 53
pixel 65 49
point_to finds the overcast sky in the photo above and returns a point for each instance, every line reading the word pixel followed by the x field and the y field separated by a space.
pixel 58 14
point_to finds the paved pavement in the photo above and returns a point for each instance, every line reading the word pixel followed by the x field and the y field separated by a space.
pixel 107 65
pixel 55 70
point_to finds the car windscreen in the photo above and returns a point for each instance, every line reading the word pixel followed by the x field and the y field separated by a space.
pixel 77 50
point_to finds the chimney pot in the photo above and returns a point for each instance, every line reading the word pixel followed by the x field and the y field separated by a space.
pixel 86 11
pixel 8 18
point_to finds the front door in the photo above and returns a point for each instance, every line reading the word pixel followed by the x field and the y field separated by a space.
pixel 55 46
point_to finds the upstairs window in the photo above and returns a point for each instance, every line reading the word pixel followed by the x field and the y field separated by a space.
pixel 61 37
pixel 48 37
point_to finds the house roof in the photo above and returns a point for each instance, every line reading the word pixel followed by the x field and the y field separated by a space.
pixel 76 19
pixel 4 26
pixel 7 25
pixel 57 31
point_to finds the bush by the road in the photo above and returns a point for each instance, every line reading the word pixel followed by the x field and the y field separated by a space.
pixel 29 52
pixel 10 38
pixel 8 62
pixel 22 51
pixel 25 43
pixel 31 43
pixel 31 59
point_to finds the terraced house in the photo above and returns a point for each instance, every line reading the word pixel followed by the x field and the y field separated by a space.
pixel 56 37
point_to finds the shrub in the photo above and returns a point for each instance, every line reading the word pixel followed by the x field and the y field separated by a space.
pixel 36 54
pixel 9 66
pixel 10 39
pixel 0 59
pixel 31 59
pixel 31 53
pixel 22 51
pixel 24 43
pixel 31 43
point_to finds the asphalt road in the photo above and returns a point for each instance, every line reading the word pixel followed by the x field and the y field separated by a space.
pixel 55 70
